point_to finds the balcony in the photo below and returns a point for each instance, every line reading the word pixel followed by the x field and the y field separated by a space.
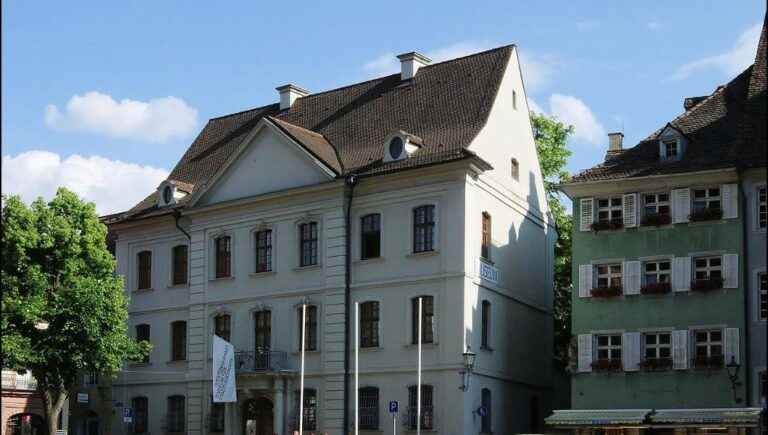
pixel 261 361
pixel 15 381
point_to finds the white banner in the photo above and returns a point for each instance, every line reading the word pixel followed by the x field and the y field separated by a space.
pixel 223 371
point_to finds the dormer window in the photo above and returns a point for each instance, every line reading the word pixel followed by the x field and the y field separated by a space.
pixel 170 191
pixel 396 147
pixel 670 149
pixel 671 144
pixel 168 194
pixel 400 145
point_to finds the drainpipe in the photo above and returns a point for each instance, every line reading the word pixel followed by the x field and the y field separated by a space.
pixel 745 284
pixel 349 188
pixel 176 217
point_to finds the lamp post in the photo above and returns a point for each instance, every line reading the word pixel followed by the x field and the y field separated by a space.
pixel 469 364
pixel 733 375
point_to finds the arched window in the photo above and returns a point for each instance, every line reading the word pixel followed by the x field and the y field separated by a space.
pixel 140 407
pixel 427 319
pixel 369 324
pixel 144 278
pixel 369 408
pixel 222 326
pixel 179 264
pixel 223 254
pixel 485 400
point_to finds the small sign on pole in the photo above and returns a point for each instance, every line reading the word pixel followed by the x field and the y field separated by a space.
pixel 127 415
pixel 393 408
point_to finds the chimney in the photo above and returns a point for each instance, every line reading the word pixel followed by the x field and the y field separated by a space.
pixel 615 141
pixel 410 64
pixel 689 102
pixel 290 93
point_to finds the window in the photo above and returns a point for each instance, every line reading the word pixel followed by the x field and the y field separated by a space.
pixel 485 249
pixel 221 326
pixel 427 407
pixel 609 210
pixel 145 270
pixel 217 417
pixel 762 279
pixel 308 246
pixel 485 402
pixel 762 208
pixel 176 411
pixel 609 276
pixel 310 408
pixel 263 251
pixel 709 347
pixel 223 247
pixel 706 199
pixel 609 347
pixel 763 387
pixel 370 236
pixel 658 345
pixel 427 319
pixel 369 324
pixel 533 416
pixel 178 340
pixel 142 334
pixel 262 338
pixel 140 407
pixel 179 274
pixel 486 325
pixel 369 408
pixel 424 228
pixel 310 331
pixel 656 204
pixel 708 268
pixel 670 148
pixel 91 379
pixel 657 272
pixel 514 100
pixel 515 168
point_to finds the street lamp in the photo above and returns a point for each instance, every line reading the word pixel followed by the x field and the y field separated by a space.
pixel 733 375
pixel 469 364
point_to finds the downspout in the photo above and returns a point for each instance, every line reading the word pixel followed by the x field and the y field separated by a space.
pixel 349 189
pixel 176 217
pixel 745 284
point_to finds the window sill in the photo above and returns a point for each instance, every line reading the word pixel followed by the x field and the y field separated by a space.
pixel 372 349
pixel 305 268
pixel 177 286
pixel 262 274
pixel 178 362
pixel 432 345
pixel 423 254
pixel 486 348
pixel 222 278
pixel 373 260
pixel 306 352
pixel 139 291
pixel 140 364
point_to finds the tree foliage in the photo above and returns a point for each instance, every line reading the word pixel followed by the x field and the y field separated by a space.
pixel 56 270
pixel 551 138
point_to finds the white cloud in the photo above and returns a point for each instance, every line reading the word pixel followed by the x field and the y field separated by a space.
pixel 156 121
pixel 533 107
pixel 111 184
pixel 573 111
pixel 732 62
pixel 538 70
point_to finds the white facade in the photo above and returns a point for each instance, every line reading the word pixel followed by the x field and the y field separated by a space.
pixel 273 185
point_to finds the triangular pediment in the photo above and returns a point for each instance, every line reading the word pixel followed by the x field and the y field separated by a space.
pixel 267 161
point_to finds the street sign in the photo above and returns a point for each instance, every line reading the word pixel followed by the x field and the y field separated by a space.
pixel 82 397
pixel 127 415
pixel 482 411
pixel 393 406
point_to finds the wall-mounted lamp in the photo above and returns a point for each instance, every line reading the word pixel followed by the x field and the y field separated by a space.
pixel 733 375
pixel 469 364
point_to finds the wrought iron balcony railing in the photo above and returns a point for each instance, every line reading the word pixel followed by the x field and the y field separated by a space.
pixel 262 360
pixel 16 381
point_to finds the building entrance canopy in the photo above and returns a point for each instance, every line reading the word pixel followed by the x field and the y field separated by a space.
pixel 742 417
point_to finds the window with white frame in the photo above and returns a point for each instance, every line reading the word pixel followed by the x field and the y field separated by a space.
pixel 762 208
pixel 658 345
pixel 709 343
pixel 609 209
pixel 657 272
pixel 608 346
pixel 608 275
pixel 762 282
pixel 656 204
pixel 708 198
pixel 670 148
pixel 708 268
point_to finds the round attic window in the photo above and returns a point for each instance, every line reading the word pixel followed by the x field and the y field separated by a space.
pixel 396 147
pixel 167 194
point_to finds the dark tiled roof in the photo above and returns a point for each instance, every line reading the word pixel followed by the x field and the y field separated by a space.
pixel 445 104
pixel 725 129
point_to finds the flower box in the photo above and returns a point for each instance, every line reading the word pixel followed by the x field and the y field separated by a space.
pixel 656 220
pixel 606 292
pixel 705 285
pixel 607 225
pixel 708 362
pixel 706 214
pixel 657 288
pixel 656 364
pixel 606 365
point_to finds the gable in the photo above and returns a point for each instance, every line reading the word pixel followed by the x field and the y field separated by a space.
pixel 269 162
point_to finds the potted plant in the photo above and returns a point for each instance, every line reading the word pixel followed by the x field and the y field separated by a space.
pixel 704 285
pixel 656 364
pixel 705 214
pixel 615 224
pixel 656 288
pixel 606 292
pixel 606 365
pixel 655 220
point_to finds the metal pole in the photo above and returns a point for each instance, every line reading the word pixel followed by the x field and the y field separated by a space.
pixel 301 376
pixel 394 424
pixel 418 381
pixel 357 366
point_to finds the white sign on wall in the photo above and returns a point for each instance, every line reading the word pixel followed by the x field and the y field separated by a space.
pixel 223 371
pixel 487 272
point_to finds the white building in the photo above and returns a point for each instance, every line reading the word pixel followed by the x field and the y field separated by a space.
pixel 438 168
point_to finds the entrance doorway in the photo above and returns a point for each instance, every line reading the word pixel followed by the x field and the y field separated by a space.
pixel 257 417
pixel 26 424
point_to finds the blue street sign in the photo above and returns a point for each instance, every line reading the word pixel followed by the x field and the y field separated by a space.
pixel 393 406
pixel 127 415
pixel 482 411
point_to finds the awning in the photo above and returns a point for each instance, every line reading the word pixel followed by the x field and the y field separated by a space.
pixel 732 416
pixel 597 417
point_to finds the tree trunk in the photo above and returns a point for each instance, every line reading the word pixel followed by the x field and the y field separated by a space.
pixel 54 402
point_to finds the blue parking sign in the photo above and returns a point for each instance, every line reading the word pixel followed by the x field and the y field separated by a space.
pixel 127 415
pixel 393 406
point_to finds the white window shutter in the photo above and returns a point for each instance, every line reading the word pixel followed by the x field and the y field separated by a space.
pixel 680 349
pixel 729 194
pixel 732 345
pixel 586 213
pixel 731 271
pixel 681 205
pixel 585 280
pixel 629 213
pixel 630 351
pixel 585 352
pixel 631 277
pixel 681 274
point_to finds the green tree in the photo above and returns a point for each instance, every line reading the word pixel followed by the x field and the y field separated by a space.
pixel 551 138
pixel 63 309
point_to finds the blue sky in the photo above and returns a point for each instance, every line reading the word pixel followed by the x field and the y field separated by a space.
pixel 104 97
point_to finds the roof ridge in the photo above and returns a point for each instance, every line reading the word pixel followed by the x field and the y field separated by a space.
pixel 272 118
pixel 266 106
pixel 501 47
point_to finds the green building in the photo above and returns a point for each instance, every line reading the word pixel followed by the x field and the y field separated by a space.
pixel 660 315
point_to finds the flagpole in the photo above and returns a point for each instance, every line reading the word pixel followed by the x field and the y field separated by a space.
pixel 357 366
pixel 301 375
pixel 418 381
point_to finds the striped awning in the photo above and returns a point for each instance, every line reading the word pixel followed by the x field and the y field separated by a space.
pixel 597 417
pixel 732 416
